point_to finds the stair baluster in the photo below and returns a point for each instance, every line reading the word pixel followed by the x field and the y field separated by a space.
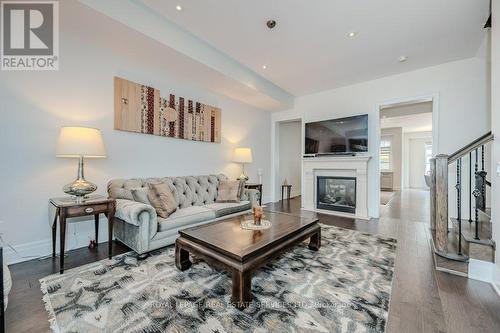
pixel 470 187
pixel 482 174
pixel 458 186
pixel 476 194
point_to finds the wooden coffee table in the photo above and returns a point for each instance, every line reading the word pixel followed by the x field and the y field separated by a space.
pixel 225 245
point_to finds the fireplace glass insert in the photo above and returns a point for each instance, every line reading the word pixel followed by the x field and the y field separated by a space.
pixel 336 193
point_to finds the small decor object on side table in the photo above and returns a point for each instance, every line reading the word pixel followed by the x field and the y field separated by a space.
pixel 80 142
pixel 63 208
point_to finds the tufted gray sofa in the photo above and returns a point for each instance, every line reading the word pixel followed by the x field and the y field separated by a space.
pixel 137 225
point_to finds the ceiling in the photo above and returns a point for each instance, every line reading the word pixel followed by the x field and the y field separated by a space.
pixel 416 117
pixel 412 123
pixel 309 50
pixel 405 109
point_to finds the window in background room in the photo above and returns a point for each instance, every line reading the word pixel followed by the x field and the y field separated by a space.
pixel 386 153
pixel 428 156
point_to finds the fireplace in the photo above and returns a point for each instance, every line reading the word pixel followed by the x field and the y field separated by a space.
pixel 336 193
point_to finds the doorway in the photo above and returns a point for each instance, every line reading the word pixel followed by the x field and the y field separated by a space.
pixel 406 146
pixel 289 149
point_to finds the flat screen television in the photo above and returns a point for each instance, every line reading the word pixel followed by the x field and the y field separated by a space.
pixel 337 136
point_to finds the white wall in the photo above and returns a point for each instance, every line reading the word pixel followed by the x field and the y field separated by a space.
pixel 495 127
pixel 290 155
pixel 462 90
pixel 417 163
pixel 34 105
pixel 407 159
pixel 396 134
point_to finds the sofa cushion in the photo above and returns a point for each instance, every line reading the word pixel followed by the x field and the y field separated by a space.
pixel 162 199
pixel 140 194
pixel 229 191
pixel 228 208
pixel 185 216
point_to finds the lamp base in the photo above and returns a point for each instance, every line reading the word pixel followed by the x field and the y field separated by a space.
pixel 243 177
pixel 80 187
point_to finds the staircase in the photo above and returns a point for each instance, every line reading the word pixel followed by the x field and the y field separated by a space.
pixel 466 235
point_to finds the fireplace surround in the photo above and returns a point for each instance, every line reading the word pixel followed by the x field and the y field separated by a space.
pixel 336 166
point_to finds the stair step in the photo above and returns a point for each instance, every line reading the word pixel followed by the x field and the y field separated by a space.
pixel 469 231
pixel 442 263
pixel 486 213
pixel 480 249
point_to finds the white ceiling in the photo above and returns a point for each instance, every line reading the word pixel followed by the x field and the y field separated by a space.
pixel 405 109
pixel 412 117
pixel 309 50
pixel 412 123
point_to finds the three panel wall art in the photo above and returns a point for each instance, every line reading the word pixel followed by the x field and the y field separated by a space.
pixel 141 109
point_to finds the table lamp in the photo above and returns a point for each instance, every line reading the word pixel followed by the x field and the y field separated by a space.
pixel 80 142
pixel 242 155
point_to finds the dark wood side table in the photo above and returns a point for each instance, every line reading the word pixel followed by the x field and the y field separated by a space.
pixel 67 207
pixel 255 186
pixel 288 191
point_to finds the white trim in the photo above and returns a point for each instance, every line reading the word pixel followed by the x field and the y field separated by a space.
pixel 496 288
pixel 484 271
pixel 27 251
pixel 43 248
pixel 481 270
pixel 450 271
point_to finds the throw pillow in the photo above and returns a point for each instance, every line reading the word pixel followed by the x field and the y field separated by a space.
pixel 228 191
pixel 162 199
pixel 140 194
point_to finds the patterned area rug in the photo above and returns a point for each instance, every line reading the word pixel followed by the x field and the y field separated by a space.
pixel 344 287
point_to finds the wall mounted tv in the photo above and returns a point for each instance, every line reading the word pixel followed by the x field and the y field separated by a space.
pixel 337 136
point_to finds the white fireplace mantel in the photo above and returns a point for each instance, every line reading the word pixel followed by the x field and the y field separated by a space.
pixel 341 166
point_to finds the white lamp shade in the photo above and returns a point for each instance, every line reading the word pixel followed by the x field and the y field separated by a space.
pixel 242 155
pixel 80 141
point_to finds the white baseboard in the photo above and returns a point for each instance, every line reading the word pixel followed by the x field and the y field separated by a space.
pixel 486 272
pixel 496 279
pixel 481 270
pixel 496 287
pixel 27 251
pixel 77 236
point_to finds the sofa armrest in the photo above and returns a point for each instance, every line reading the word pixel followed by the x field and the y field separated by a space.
pixel 132 211
pixel 137 214
pixel 251 195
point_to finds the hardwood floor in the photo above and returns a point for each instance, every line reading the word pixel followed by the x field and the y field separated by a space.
pixel 26 312
pixel 422 300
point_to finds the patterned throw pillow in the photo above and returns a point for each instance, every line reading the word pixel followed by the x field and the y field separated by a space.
pixel 140 194
pixel 229 191
pixel 162 199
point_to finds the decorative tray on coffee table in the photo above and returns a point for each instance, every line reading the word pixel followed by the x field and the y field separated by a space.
pixel 250 225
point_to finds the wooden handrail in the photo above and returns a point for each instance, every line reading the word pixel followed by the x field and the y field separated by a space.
pixel 470 147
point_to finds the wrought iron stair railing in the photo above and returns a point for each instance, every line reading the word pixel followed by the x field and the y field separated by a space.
pixel 472 154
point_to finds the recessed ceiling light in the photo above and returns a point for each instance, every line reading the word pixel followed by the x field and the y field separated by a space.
pixel 264 67
pixel 403 58
pixel 178 7
pixel 352 34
